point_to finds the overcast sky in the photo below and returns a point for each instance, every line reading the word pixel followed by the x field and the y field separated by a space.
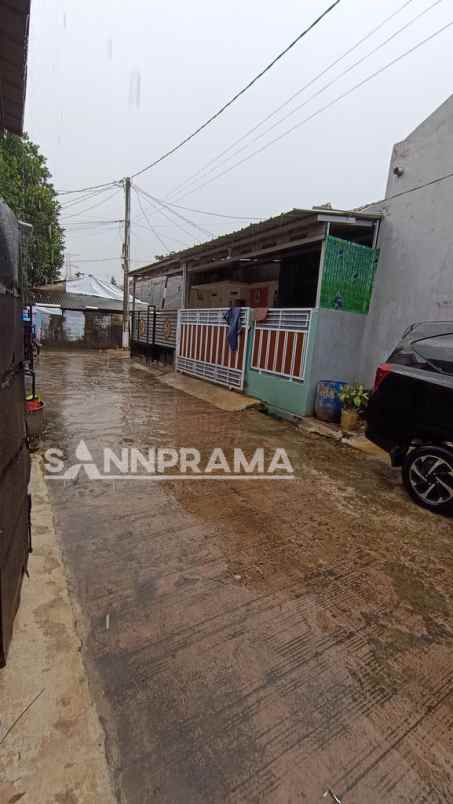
pixel 112 85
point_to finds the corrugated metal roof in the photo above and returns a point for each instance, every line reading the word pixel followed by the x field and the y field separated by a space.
pixel 14 21
pixel 270 226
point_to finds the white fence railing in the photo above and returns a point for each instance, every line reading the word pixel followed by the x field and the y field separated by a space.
pixel 202 346
pixel 280 343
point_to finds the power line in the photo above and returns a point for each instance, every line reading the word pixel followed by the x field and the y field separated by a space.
pixel 100 225
pixel 82 199
pixel 95 222
pixel 102 230
pixel 418 186
pixel 93 206
pixel 95 225
pixel 91 229
pixel 88 226
pixel 139 222
pixel 238 94
pixel 109 259
pixel 176 239
pixel 173 212
pixel 66 211
pixel 155 233
pixel 216 214
pixel 161 211
pixel 390 197
pixel 84 189
pixel 100 259
pixel 214 163
pixel 183 218
pixel 322 109
pixel 220 111
pixel 294 95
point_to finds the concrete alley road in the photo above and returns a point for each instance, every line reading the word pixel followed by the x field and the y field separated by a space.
pixel 251 641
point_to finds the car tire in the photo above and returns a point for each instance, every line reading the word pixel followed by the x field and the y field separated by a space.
pixel 428 477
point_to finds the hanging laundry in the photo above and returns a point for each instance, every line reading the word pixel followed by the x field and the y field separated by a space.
pixel 233 319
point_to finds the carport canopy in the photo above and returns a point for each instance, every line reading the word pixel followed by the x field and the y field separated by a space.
pixel 14 23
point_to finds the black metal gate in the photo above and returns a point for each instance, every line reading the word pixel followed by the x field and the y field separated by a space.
pixel 153 331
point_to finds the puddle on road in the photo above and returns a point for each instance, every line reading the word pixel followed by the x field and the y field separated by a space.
pixel 295 526
pixel 317 608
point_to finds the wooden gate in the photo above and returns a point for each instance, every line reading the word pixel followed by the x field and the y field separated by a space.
pixel 202 347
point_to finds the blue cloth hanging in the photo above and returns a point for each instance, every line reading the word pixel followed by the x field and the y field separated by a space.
pixel 233 319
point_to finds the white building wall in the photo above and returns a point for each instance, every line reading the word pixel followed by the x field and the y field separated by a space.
pixel 414 280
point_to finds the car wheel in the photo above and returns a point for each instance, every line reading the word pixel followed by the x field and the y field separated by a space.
pixel 428 477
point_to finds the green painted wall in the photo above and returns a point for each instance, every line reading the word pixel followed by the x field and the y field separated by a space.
pixel 282 396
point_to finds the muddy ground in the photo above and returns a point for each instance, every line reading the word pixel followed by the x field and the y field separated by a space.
pixel 252 641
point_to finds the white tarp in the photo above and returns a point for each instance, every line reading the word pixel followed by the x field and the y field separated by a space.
pixel 74 325
pixel 91 286
pixel 42 317
pixel 47 309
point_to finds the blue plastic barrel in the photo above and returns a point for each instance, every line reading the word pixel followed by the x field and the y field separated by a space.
pixel 327 401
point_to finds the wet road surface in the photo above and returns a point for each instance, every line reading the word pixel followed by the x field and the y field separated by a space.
pixel 252 641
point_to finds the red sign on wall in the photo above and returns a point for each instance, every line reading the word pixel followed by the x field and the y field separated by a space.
pixel 259 297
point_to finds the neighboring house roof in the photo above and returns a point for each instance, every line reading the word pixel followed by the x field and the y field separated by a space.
pixel 82 293
pixel 89 285
pixel 283 228
pixel 77 301
pixel 14 21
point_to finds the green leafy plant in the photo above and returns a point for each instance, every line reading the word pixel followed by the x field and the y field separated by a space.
pixel 354 397
pixel 25 185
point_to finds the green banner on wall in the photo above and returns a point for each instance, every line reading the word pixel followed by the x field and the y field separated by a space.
pixel 348 276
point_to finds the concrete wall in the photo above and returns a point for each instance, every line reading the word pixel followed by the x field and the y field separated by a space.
pixel 223 294
pixel 336 351
pixel 81 330
pixel 332 354
pixel 414 279
pixel 284 397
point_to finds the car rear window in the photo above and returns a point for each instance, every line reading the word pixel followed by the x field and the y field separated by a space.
pixel 428 329
pixel 427 346
pixel 437 351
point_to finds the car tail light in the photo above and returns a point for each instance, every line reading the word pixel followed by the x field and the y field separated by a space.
pixel 382 372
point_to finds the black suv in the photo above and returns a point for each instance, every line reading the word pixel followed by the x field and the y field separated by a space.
pixel 410 413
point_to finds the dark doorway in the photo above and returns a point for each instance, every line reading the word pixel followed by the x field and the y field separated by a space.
pixel 298 283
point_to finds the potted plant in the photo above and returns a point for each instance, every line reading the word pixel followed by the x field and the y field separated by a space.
pixel 354 399
pixel 34 420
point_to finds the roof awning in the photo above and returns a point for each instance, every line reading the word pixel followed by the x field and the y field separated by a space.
pixel 270 237
pixel 14 20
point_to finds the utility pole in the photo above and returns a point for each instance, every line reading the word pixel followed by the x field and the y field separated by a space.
pixel 126 250
pixel 69 264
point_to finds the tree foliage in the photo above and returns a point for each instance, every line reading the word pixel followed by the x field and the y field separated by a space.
pixel 26 187
pixel 158 257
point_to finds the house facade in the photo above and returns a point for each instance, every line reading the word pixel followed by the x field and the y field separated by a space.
pixel 354 280
pixel 303 281
pixel 84 313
